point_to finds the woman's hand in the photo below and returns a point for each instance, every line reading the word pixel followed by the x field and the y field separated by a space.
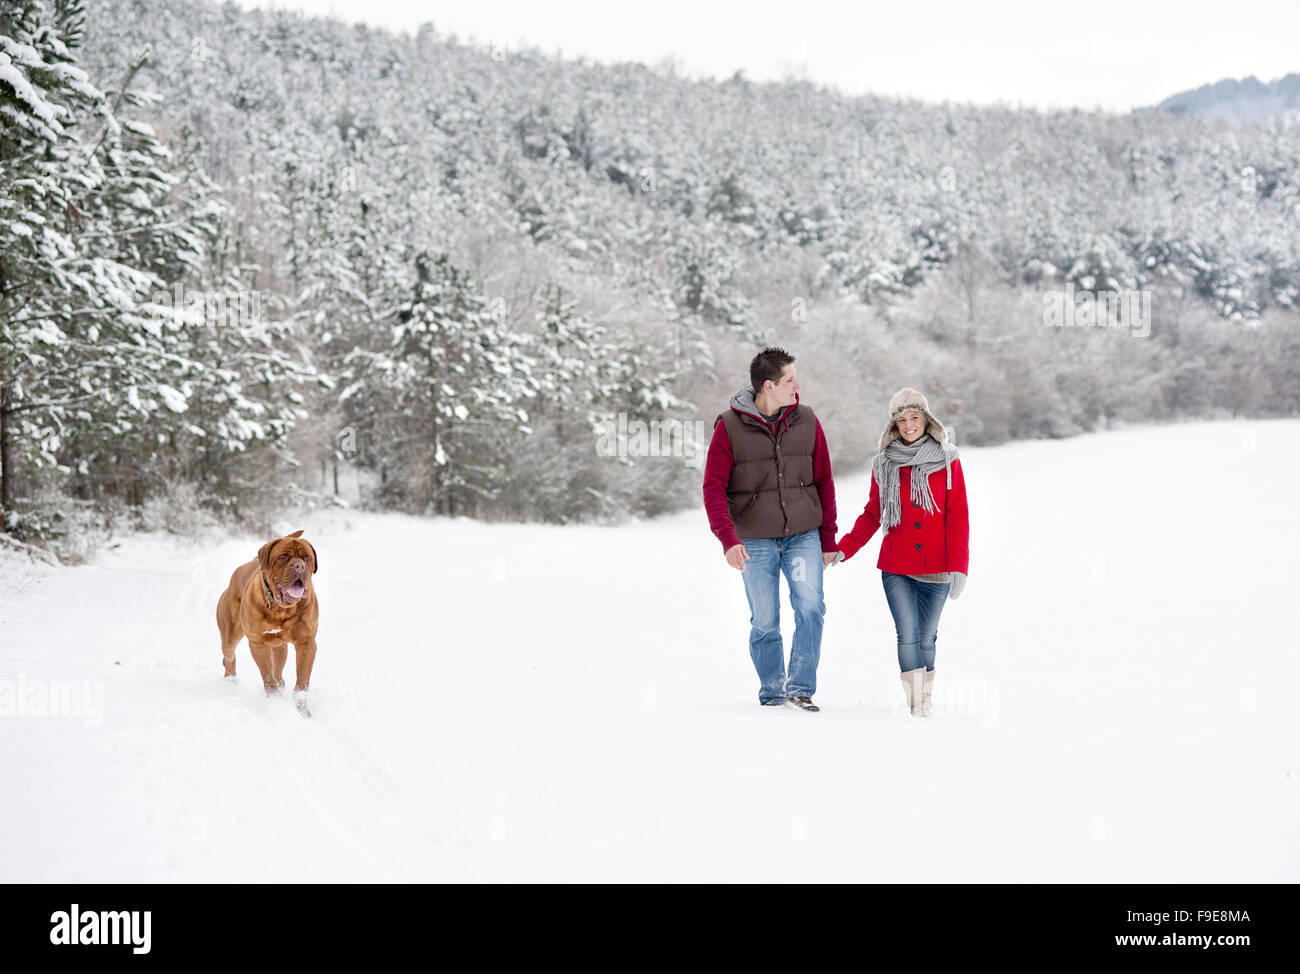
pixel 831 558
pixel 958 584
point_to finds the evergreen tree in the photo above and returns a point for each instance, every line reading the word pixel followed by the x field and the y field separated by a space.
pixel 438 408
pixel 98 367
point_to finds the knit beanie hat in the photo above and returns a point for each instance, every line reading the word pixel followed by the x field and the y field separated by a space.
pixel 901 402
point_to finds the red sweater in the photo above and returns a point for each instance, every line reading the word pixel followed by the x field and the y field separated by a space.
pixel 717 475
pixel 920 543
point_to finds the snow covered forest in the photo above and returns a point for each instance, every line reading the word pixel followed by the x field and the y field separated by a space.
pixel 244 250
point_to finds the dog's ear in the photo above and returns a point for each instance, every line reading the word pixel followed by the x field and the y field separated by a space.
pixel 315 562
pixel 264 554
pixel 296 534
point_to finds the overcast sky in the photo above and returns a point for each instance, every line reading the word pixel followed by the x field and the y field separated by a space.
pixel 1112 54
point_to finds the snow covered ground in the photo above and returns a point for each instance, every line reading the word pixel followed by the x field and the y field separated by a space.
pixel 524 702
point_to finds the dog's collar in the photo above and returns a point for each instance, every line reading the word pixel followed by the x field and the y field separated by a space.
pixel 271 600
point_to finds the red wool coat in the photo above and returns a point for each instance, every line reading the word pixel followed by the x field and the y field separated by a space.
pixel 920 543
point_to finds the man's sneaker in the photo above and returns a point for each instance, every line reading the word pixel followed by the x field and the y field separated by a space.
pixel 801 703
pixel 774 702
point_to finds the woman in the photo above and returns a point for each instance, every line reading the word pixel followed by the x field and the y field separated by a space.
pixel 923 556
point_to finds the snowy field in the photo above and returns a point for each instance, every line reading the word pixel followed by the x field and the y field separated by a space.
pixel 524 702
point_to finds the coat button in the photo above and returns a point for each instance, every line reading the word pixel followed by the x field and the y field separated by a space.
pixel 918 547
pixel 918 524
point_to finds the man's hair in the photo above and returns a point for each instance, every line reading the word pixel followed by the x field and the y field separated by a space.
pixel 768 364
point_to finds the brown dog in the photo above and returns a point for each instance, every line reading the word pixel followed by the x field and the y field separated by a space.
pixel 270 600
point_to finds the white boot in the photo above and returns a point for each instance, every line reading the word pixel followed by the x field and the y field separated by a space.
pixel 927 694
pixel 913 689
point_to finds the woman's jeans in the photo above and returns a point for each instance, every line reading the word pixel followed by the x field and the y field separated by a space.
pixel 800 558
pixel 916 607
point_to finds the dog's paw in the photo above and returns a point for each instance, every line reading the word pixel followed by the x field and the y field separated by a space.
pixel 300 701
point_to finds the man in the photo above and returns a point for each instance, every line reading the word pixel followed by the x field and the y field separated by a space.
pixel 771 502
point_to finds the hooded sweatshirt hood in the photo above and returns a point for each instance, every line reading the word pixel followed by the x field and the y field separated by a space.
pixel 743 402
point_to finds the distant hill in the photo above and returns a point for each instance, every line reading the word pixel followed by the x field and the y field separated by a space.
pixel 260 244
pixel 1239 102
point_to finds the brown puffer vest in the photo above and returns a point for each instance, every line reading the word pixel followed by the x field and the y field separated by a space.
pixel 771 492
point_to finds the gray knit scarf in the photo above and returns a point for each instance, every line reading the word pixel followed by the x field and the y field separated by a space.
pixel 925 456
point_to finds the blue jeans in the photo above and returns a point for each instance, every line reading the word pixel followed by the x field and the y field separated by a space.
pixel 916 607
pixel 800 558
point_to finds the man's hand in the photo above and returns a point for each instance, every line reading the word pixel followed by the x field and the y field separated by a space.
pixel 737 556
pixel 830 558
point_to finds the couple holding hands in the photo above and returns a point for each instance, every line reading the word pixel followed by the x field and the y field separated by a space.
pixel 770 500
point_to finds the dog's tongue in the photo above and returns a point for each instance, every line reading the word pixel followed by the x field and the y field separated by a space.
pixel 297 590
